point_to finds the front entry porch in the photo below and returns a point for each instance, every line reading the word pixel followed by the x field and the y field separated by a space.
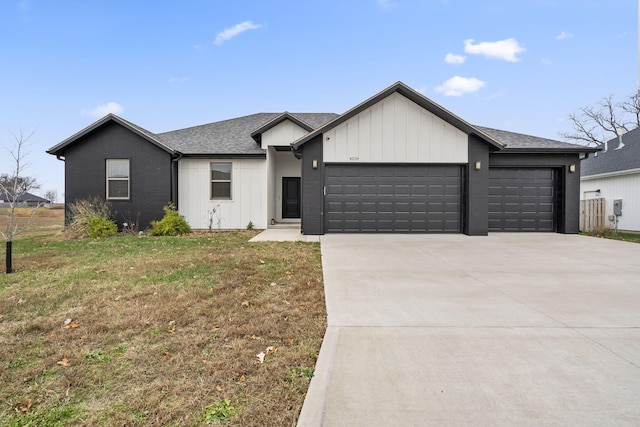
pixel 283 187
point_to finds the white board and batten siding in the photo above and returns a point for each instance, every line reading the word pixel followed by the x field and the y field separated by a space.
pixel 282 134
pixel 248 195
pixel 623 185
pixel 395 130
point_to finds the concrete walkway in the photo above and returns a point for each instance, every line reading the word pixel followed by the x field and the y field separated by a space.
pixel 284 234
pixel 509 329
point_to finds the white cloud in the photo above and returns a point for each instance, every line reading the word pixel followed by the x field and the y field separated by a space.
pixel 237 29
pixel 458 86
pixel 103 110
pixel 502 49
pixel 454 59
pixel 564 35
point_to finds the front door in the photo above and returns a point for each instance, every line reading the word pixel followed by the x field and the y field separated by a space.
pixel 291 197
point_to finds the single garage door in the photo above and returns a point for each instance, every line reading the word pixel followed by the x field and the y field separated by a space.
pixel 393 198
pixel 522 199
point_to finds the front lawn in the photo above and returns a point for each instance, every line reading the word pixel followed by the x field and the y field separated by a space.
pixel 193 330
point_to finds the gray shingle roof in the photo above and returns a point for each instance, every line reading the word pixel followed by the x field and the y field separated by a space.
pixel 521 142
pixel 231 137
pixel 26 197
pixel 613 160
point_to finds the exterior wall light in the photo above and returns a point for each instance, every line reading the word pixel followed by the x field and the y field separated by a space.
pixel 572 168
pixel 314 164
pixel 478 166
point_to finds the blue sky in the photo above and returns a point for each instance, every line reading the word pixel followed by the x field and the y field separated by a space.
pixel 518 65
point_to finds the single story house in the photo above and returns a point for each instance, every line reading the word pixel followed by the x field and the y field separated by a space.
pixel 614 174
pixel 27 199
pixel 397 162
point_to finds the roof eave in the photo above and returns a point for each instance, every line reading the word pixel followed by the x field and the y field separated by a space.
pixel 555 150
pixel 224 155
pixel 58 149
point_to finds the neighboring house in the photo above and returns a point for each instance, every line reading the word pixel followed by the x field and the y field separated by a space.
pixel 614 174
pixel 395 163
pixel 27 199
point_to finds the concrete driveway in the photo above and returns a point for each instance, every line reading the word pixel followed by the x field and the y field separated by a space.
pixel 509 329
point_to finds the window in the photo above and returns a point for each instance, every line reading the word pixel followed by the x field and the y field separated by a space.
pixel 118 179
pixel 221 181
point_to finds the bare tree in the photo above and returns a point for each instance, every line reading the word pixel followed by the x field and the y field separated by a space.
pixel 595 125
pixel 51 195
pixel 13 186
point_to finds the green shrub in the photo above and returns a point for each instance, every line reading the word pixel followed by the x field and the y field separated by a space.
pixel 172 224
pixel 101 227
pixel 90 218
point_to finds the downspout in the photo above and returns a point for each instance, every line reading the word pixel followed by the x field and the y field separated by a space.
pixel 174 179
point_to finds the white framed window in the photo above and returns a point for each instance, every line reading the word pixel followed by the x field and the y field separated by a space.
pixel 220 181
pixel 118 185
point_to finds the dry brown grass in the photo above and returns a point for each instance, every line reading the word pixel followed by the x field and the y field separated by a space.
pixel 161 330
pixel 45 221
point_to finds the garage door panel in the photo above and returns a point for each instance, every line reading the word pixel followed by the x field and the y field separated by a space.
pixel 392 198
pixel 522 199
pixel 452 190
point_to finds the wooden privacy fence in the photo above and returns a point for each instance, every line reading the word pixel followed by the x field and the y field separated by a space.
pixel 592 214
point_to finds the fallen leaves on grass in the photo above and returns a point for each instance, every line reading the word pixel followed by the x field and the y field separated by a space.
pixel 23 405
pixel 214 340
pixel 268 351
pixel 70 324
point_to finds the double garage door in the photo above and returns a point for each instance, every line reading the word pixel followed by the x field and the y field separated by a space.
pixel 393 198
pixel 429 199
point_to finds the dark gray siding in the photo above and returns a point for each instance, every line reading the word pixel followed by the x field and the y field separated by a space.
pixel 312 187
pixel 150 173
pixel 568 183
pixel 477 189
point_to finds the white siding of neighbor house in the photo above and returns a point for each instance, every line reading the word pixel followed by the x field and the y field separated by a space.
pixel 395 130
pixel 625 186
pixel 282 134
pixel 248 194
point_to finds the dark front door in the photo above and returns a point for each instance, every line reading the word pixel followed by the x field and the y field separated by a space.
pixel 291 197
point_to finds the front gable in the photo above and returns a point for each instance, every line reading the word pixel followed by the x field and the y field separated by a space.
pixel 395 130
pixel 282 134
pixel 107 122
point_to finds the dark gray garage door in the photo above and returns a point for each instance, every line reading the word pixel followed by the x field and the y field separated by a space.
pixel 392 198
pixel 522 199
